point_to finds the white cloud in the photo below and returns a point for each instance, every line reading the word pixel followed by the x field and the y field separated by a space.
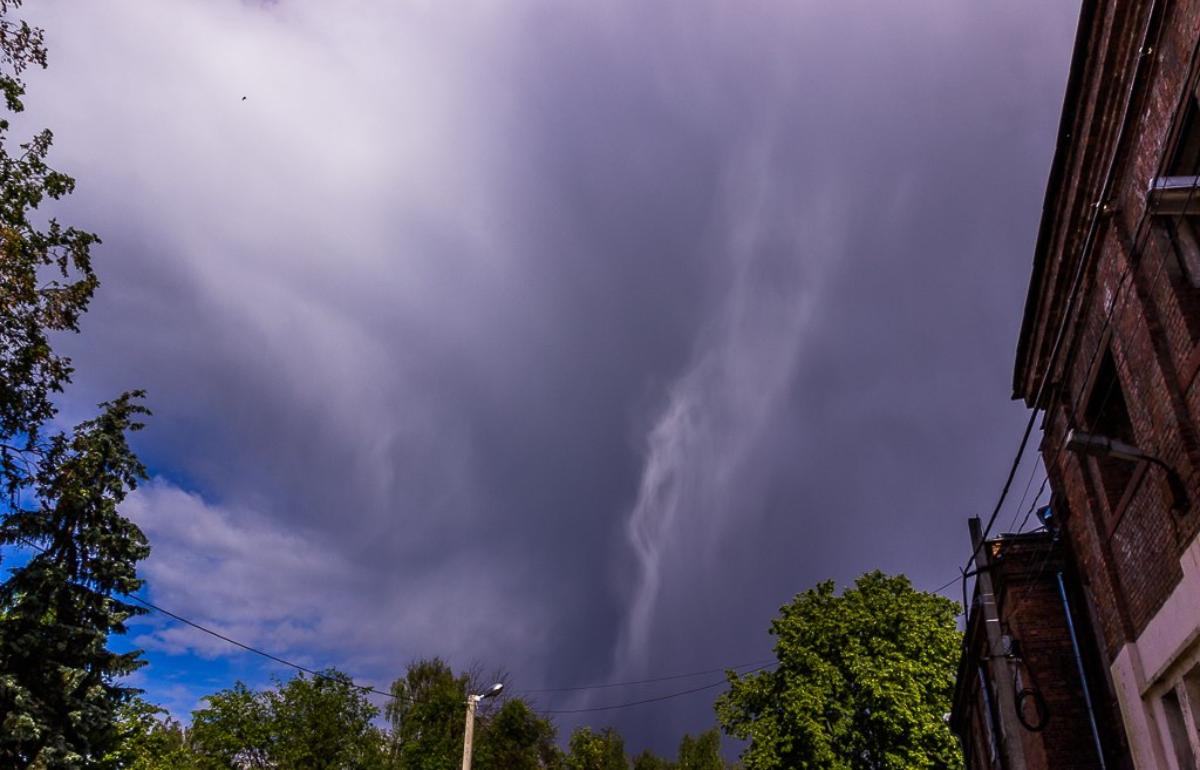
pixel 292 593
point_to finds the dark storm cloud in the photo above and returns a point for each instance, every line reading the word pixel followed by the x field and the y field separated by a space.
pixel 571 339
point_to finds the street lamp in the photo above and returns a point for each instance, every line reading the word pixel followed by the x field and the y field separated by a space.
pixel 468 733
pixel 1103 446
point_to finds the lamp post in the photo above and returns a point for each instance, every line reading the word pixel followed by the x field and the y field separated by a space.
pixel 469 732
pixel 1103 446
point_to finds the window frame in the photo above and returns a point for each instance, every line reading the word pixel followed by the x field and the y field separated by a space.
pixel 1114 497
pixel 1173 199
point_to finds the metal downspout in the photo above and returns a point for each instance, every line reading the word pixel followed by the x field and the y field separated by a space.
pixel 1087 693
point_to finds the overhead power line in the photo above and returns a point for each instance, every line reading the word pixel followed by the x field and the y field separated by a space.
pixel 758 666
pixel 1033 506
pixel 946 585
pixel 261 653
pixel 229 640
pixel 758 663
pixel 656 699
pixel 1085 251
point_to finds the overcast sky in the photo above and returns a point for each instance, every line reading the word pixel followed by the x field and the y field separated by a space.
pixel 569 338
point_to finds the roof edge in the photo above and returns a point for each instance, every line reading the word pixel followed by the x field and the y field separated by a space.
pixel 1066 124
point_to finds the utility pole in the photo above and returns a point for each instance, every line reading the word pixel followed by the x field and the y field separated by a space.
pixel 1002 674
pixel 469 731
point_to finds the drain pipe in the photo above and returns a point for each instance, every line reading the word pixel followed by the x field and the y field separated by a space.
pixel 1087 693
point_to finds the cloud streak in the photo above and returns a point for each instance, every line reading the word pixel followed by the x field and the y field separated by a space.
pixel 693 488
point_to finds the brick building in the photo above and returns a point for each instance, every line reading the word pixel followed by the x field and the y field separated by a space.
pixel 1110 354
pixel 1056 717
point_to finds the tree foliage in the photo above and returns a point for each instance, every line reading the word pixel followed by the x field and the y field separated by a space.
pixel 307 723
pixel 426 715
pixel 517 738
pixel 604 750
pixel 326 722
pixel 863 682
pixel 323 723
pixel 648 760
pixel 150 740
pixel 59 683
pixel 702 752
pixel 234 726
pixel 46 275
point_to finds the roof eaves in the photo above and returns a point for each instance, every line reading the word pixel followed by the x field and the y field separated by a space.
pixel 1062 152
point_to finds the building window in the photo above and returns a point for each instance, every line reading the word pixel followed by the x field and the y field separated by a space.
pixel 1181 707
pixel 1177 729
pixel 1175 200
pixel 1190 686
pixel 1106 415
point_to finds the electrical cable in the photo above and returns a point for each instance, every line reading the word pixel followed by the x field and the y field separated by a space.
pixel 1033 506
pixel 1039 706
pixel 1024 495
pixel 1008 482
pixel 656 699
pixel 946 585
pixel 1118 300
pixel 1076 282
pixel 247 647
pixel 372 690
pixel 263 653
pixel 758 663
pixel 1085 250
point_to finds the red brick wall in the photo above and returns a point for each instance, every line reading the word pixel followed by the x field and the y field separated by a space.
pixel 1134 304
pixel 1032 613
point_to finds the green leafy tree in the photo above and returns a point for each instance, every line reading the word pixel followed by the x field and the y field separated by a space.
pixel 46 275
pixel 426 716
pixel 863 682
pixel 516 738
pixel 323 723
pixel 702 752
pixel 59 683
pixel 235 727
pixel 308 723
pixel 588 750
pixel 150 740
pixel 648 760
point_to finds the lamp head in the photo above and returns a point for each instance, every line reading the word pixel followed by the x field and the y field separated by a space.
pixel 1103 446
pixel 494 690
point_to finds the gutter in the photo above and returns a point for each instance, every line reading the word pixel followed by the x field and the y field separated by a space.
pixel 1062 151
